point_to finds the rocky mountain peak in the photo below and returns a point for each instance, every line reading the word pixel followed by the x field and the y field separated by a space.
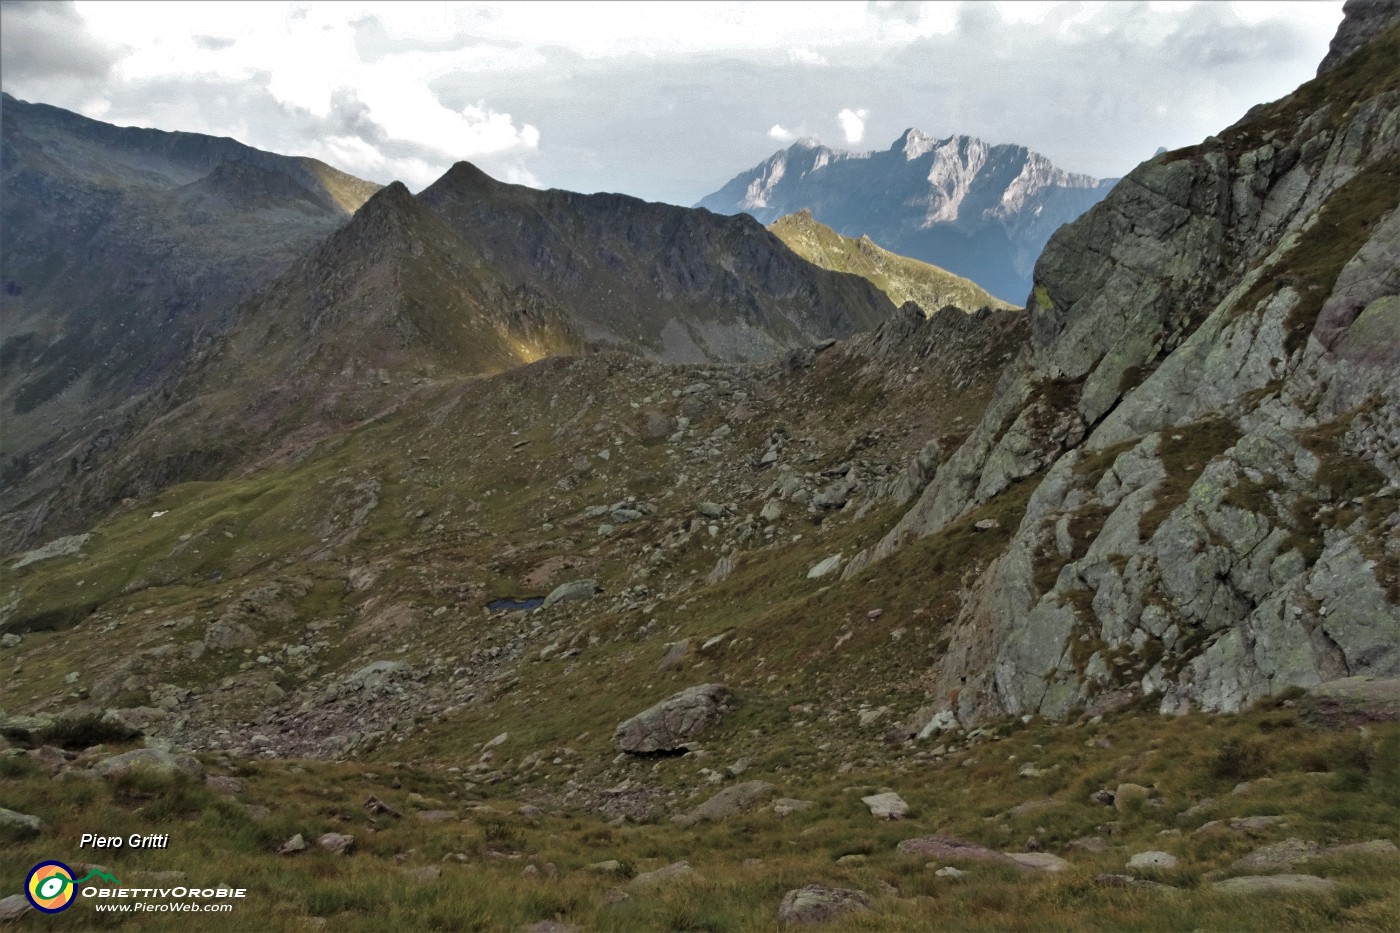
pixel 1362 21
pixel 979 210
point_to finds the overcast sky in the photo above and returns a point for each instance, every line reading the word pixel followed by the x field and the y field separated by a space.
pixel 663 101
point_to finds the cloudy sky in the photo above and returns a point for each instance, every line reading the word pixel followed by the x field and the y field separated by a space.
pixel 663 101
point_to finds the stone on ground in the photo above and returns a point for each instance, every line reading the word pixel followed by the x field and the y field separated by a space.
pixel 888 806
pixel 1041 861
pixel 18 825
pixel 676 871
pixel 336 843
pixel 668 725
pixel 727 803
pixel 950 848
pixel 1154 861
pixel 1275 884
pixel 576 589
pixel 818 903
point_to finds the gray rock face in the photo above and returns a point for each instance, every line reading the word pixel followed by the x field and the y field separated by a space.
pixel 1152 861
pixel 1277 857
pixel 1040 861
pixel 888 806
pixel 58 547
pixel 293 845
pixel 1365 19
pixel 19 825
pixel 786 806
pixel 950 849
pixel 668 874
pixel 668 725
pixel 818 903
pixel 336 843
pixel 576 589
pixel 14 908
pixel 1207 447
pixel 155 760
pixel 728 803
pixel 1275 884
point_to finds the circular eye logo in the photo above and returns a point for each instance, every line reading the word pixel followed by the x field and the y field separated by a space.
pixel 50 887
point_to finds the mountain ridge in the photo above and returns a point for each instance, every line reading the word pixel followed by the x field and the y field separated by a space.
pixel 123 247
pixel 900 277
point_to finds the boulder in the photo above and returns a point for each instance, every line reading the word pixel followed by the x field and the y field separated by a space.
pixel 293 845
pixel 435 816
pixel 336 843
pixel 822 568
pixel 1152 861
pixel 1275 884
pixel 1040 861
pixel 223 784
pixel 655 425
pixel 17 825
pixel 1278 856
pixel 676 871
pixel 785 806
pixel 154 760
pixel 1376 848
pixel 14 908
pixel 950 848
pixel 817 903
pixel 887 806
pixel 577 589
pixel 673 722
pixel 727 803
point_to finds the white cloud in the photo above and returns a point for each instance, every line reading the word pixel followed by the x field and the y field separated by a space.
pixel 852 124
pixel 653 98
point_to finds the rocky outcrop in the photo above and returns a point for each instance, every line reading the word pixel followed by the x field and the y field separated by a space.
pixel 817 903
pixel 673 722
pixel 1363 20
pixel 727 803
pixel 1207 414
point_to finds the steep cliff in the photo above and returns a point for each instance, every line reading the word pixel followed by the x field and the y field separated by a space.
pixel 1208 412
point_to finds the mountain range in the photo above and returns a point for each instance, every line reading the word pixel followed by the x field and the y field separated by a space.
pixel 441 564
pixel 981 211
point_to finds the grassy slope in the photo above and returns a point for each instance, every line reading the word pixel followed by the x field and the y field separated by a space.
pixel 1328 782
pixel 900 277
pixel 460 518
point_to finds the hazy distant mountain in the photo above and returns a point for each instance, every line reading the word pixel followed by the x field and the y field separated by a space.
pixel 983 212
pixel 900 277
pixel 120 245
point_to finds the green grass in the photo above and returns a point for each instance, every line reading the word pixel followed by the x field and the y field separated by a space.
pixel 900 277
pixel 1329 783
